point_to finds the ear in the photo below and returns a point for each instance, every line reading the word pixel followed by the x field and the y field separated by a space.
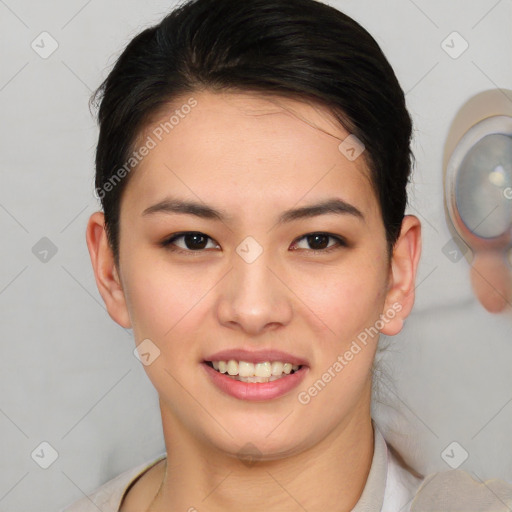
pixel 105 270
pixel 402 278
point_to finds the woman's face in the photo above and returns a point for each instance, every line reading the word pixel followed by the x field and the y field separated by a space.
pixel 250 281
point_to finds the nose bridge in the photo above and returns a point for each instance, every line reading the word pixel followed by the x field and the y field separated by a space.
pixel 255 297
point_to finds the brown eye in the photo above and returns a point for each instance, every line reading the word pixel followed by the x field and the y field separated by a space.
pixel 194 241
pixel 318 242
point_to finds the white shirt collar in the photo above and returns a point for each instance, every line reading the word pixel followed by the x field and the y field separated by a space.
pixel 390 486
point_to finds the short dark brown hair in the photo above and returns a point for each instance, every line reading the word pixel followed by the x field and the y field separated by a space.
pixel 302 49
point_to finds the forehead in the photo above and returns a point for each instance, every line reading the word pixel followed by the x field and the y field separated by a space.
pixel 244 149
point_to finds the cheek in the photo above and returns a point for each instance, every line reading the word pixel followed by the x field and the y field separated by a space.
pixel 161 298
pixel 349 303
pixel 345 299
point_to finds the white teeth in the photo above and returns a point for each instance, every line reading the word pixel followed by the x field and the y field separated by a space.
pixel 263 369
pixel 277 368
pixel 267 371
pixel 254 379
pixel 232 367
pixel 246 369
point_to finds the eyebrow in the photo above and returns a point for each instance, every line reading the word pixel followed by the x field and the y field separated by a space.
pixel 329 206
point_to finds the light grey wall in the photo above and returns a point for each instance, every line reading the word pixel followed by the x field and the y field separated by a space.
pixel 69 377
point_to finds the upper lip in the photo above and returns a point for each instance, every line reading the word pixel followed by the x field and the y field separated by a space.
pixel 256 356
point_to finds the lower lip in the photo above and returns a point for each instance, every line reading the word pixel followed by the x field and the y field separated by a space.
pixel 256 391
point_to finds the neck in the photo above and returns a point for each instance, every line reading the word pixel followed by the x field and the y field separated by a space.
pixel 199 477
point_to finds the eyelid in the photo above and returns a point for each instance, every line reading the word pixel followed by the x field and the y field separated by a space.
pixel 340 242
pixel 167 242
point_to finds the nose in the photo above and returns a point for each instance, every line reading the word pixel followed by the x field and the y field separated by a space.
pixel 255 297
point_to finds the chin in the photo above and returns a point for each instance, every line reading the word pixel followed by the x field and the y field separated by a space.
pixel 261 443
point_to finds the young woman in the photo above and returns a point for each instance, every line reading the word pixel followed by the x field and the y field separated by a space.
pixel 252 166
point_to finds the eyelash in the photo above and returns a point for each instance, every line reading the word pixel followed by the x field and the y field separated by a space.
pixel 168 242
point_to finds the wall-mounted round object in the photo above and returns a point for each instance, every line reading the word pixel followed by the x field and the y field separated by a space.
pixel 478 196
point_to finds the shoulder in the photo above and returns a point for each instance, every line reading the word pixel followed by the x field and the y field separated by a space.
pixel 458 490
pixel 108 497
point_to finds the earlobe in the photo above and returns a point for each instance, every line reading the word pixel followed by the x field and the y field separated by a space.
pixel 105 271
pixel 402 279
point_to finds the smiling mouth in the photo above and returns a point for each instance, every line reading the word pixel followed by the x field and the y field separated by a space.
pixel 243 371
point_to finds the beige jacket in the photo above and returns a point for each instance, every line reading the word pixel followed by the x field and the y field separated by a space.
pixel 390 487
